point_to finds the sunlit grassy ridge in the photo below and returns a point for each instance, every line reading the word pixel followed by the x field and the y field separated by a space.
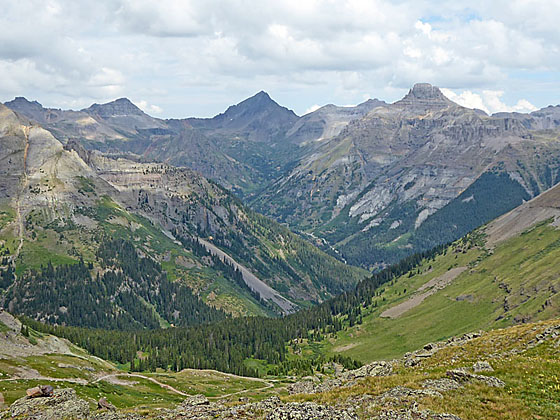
pixel 531 376
pixel 515 282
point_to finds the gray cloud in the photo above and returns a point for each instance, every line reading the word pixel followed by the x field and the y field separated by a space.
pixel 196 57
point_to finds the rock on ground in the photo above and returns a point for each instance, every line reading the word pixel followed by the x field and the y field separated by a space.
pixel 463 376
pixel 482 366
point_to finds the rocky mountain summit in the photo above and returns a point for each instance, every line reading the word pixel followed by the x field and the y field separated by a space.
pixel 257 118
pixel 423 97
pixel 119 107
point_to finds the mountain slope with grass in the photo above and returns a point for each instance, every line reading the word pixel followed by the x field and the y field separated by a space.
pixel 502 274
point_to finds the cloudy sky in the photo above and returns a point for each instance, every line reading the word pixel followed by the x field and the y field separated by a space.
pixel 177 58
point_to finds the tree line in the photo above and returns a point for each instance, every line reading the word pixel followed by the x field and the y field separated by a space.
pixel 226 344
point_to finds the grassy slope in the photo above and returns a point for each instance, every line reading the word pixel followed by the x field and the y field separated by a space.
pixel 525 265
pixel 62 243
pixel 532 388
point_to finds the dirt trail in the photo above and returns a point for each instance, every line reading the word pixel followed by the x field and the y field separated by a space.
pixel 268 385
pixel 423 292
pixel 253 281
pixel 136 375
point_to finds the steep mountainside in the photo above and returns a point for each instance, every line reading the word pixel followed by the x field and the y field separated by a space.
pixel 413 174
pixel 369 184
pixel 502 274
pixel 61 204
pixel 425 359
pixel 120 127
pixel 328 121
pixel 257 118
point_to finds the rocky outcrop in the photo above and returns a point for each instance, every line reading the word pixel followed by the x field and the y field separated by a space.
pixel 422 97
pixel 462 377
pixel 310 411
pixel 401 393
pixel 61 405
pixel 347 378
pixel 416 357
pixel 414 414
pixel 482 366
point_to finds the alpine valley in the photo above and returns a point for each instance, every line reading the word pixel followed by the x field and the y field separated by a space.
pixel 379 261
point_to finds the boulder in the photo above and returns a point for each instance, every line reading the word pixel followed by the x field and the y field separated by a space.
pixel 103 404
pixel 195 400
pixel 441 385
pixel 482 366
pixel 40 391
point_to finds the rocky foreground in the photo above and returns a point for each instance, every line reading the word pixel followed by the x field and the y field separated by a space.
pixel 480 367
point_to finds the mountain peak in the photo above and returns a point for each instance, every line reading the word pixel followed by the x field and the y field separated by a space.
pixel 424 95
pixel 259 104
pixel 260 99
pixel 30 109
pixel 118 107
pixel 262 94
pixel 425 91
pixel 24 100
pixel 258 118
pixel 20 102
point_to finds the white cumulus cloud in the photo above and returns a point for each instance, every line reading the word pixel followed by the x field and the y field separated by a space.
pixel 490 101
